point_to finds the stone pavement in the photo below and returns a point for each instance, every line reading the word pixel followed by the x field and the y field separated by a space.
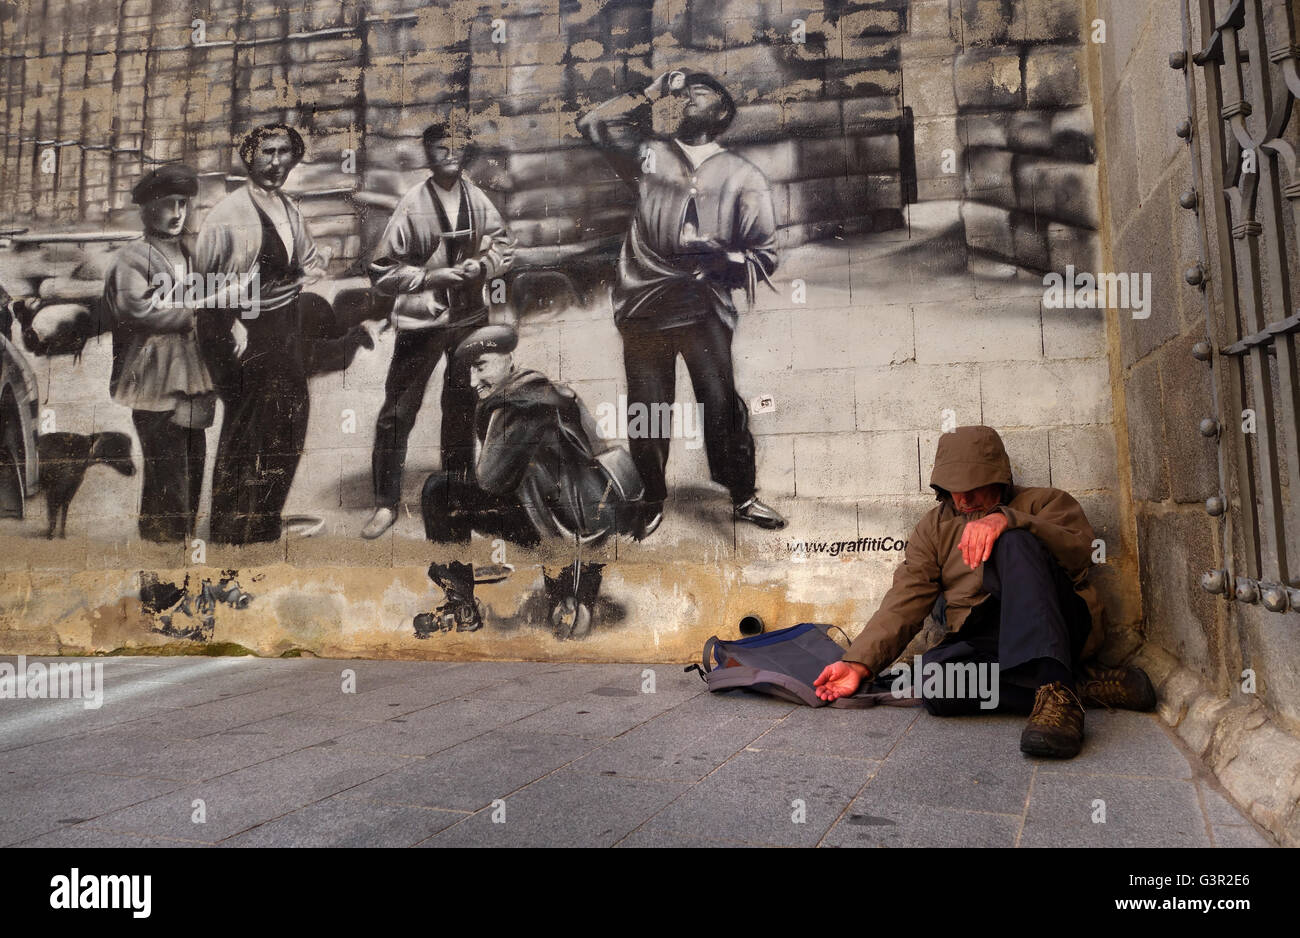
pixel 273 752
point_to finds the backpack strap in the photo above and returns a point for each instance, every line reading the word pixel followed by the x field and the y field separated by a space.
pixel 709 646
pixel 841 631
pixel 703 668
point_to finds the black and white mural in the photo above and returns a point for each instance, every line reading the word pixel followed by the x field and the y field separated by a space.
pixel 519 293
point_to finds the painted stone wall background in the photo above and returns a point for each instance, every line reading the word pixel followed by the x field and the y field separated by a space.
pixel 908 290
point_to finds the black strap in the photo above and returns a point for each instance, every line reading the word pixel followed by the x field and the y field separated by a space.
pixel 841 631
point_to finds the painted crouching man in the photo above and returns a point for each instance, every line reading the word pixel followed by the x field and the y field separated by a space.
pixel 157 368
pixel 1012 566
pixel 542 478
pixel 704 226
pixel 444 242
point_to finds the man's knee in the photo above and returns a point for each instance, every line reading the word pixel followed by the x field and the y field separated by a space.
pixel 1019 546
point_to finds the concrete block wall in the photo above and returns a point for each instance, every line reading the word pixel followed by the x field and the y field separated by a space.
pixel 1019 97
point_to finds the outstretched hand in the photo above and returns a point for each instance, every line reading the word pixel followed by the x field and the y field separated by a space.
pixel 839 679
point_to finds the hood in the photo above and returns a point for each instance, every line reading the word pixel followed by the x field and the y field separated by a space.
pixel 968 458
pixel 524 387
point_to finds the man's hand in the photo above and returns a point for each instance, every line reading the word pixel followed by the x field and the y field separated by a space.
pixel 840 679
pixel 443 277
pixel 669 82
pixel 977 540
pixel 471 268
pixel 239 334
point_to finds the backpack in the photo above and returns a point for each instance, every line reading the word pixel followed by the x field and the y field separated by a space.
pixel 784 664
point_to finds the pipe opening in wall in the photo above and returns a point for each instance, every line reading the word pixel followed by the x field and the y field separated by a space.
pixel 751 625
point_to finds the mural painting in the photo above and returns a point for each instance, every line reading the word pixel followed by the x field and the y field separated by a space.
pixel 492 249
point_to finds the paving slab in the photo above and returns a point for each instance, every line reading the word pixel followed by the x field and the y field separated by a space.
pixel 239 800
pixel 72 799
pixel 348 822
pixel 565 809
pixel 475 773
pixel 685 743
pixel 778 798
pixel 851 734
pixel 969 763
pixel 873 823
pixel 1066 809
pixel 434 728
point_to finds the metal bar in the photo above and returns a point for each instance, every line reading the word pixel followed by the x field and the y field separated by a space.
pixel 1278 282
pixel 1247 231
pixel 1229 379
pixel 1225 167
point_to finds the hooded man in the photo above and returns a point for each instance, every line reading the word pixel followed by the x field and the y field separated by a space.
pixel 1010 565
pixel 704 226
pixel 541 475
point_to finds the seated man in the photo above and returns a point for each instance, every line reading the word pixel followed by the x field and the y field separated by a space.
pixel 541 477
pixel 1012 566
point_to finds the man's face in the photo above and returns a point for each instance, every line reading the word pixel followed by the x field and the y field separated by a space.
pixel 489 371
pixel 703 110
pixel 446 155
pixel 980 499
pixel 165 217
pixel 272 160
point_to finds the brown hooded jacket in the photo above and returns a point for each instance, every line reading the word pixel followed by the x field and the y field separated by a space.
pixel 966 459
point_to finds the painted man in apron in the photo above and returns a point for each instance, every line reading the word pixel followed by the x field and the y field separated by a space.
pixel 262 355
pixel 157 368
pixel 704 226
pixel 443 244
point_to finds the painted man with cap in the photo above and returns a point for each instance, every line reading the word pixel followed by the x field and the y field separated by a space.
pixel 157 368
pixel 704 226
pixel 542 476
pixel 1011 565
pixel 443 244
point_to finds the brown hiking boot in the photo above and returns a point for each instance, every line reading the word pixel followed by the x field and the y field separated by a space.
pixel 1118 689
pixel 1055 728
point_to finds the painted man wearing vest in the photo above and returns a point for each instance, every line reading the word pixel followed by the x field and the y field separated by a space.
pixel 260 357
pixel 704 226
pixel 445 241
pixel 1012 566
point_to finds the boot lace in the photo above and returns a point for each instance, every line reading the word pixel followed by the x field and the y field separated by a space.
pixel 1054 703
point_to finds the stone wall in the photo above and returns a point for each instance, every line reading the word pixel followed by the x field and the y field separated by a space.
pixel 1197 645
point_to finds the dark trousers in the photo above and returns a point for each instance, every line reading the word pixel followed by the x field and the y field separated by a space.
pixel 1033 625
pixel 415 357
pixel 650 361
pixel 173 475
pixel 454 508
